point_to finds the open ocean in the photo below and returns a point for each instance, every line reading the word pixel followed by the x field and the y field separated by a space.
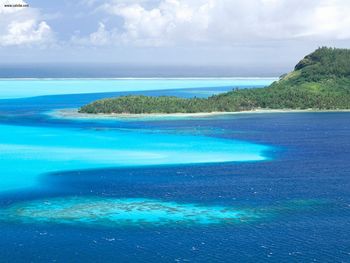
pixel 269 187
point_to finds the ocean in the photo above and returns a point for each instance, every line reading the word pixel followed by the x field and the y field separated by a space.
pixel 268 187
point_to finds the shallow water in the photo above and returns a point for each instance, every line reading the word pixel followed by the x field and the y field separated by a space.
pixel 253 188
pixel 21 88
pixel 28 152
pixel 123 212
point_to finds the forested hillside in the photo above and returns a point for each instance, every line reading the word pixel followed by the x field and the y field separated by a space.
pixel 319 81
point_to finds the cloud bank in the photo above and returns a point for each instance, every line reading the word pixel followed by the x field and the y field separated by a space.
pixel 266 33
pixel 222 22
pixel 186 22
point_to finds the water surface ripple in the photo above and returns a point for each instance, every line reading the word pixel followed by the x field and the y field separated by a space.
pixel 243 188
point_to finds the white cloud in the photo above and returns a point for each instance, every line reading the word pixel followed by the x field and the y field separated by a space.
pixel 330 19
pixel 101 36
pixel 170 21
pixel 22 25
pixel 25 32
pixel 98 38
pixel 225 22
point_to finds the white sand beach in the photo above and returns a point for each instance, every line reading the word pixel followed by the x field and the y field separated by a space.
pixel 74 114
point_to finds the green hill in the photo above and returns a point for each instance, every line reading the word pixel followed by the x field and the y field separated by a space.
pixel 319 81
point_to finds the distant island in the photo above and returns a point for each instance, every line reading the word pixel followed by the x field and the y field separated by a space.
pixel 320 81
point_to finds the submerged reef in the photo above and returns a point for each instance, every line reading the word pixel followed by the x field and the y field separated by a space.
pixel 114 212
pixel 111 212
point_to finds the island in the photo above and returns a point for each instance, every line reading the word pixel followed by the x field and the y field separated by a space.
pixel 320 81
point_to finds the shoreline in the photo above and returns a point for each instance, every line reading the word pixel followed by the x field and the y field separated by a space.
pixel 74 114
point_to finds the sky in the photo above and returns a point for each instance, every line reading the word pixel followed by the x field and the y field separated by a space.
pixel 256 35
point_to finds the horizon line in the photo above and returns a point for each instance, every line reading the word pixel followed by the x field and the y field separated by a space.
pixel 132 78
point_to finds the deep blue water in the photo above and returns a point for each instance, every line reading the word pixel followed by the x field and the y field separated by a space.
pixel 302 187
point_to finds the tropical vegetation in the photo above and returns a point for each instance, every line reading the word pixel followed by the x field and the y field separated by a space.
pixel 319 81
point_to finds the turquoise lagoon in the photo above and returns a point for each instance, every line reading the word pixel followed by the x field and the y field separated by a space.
pixel 28 152
pixel 21 88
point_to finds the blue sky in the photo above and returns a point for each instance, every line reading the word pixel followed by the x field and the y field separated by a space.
pixel 259 33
